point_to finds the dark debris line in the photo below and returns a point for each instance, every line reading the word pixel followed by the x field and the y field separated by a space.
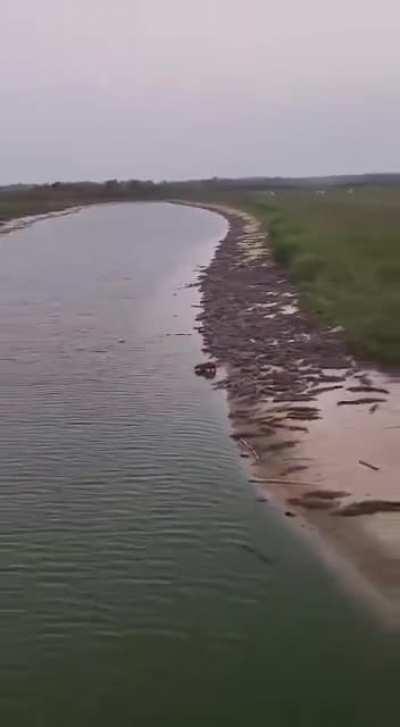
pixel 280 357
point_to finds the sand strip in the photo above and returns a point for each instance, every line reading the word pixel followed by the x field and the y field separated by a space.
pixel 320 431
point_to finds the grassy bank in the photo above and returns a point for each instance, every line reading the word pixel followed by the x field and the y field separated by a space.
pixel 343 251
pixel 11 209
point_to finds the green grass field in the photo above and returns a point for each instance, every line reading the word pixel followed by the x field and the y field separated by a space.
pixel 343 252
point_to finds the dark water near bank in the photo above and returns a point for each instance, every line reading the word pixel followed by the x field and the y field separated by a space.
pixel 126 596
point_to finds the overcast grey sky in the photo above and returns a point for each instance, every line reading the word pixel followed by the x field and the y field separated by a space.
pixel 193 88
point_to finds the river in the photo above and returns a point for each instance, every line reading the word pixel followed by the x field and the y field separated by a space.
pixel 141 581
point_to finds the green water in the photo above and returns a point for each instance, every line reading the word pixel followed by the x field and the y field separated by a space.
pixel 127 597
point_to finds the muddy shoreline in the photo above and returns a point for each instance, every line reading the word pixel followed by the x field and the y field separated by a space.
pixel 306 416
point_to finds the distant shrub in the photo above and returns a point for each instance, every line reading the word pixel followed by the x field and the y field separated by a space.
pixel 388 273
pixel 307 267
pixel 379 337
pixel 285 249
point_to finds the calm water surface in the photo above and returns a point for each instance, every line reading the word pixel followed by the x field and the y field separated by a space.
pixel 127 597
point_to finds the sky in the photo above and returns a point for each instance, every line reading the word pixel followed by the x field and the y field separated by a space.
pixel 176 89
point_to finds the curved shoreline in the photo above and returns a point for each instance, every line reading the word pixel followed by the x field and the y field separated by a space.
pixel 333 468
pixel 317 428
pixel 19 223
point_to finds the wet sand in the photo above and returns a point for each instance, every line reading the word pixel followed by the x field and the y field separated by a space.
pixel 320 431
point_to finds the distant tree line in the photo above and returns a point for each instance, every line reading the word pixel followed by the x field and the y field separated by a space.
pixel 85 191
pixel 29 199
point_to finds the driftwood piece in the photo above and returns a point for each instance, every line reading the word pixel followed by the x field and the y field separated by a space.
pixel 367 464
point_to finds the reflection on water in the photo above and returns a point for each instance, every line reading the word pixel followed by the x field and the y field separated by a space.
pixel 131 584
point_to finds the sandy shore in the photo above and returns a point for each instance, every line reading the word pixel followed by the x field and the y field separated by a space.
pixel 19 223
pixel 320 431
